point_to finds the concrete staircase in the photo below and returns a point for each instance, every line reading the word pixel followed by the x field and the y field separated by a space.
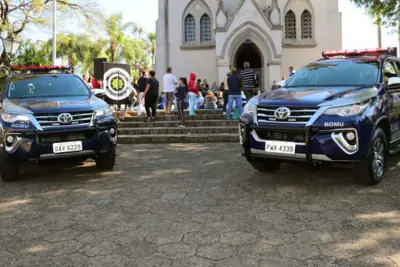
pixel 206 126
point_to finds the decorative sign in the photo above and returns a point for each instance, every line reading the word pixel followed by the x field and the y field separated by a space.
pixel 117 83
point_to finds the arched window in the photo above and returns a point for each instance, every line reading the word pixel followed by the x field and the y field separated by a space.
pixel 205 29
pixel 190 29
pixel 306 25
pixel 290 25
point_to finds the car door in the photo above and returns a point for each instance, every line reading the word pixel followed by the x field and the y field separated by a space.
pixel 390 69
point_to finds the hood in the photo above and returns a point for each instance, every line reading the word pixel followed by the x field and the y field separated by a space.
pixel 192 76
pixel 53 104
pixel 316 96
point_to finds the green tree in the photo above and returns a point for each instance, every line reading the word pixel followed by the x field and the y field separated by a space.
pixel 73 48
pixel 134 51
pixel 33 53
pixel 116 33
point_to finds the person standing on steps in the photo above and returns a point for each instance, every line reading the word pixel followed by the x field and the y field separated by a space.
pixel 151 95
pixel 235 88
pixel 248 78
pixel 181 94
pixel 170 83
pixel 193 93
pixel 142 82
pixel 226 91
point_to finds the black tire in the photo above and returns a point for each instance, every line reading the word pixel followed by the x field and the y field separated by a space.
pixel 106 161
pixel 372 169
pixel 9 169
pixel 267 165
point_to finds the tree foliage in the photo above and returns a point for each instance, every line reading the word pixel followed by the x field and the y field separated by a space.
pixel 386 12
pixel 120 44
pixel 16 15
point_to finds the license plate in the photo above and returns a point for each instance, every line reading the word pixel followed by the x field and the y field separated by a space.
pixel 280 147
pixel 67 147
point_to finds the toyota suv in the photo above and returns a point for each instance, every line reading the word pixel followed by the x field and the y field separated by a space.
pixel 343 108
pixel 49 113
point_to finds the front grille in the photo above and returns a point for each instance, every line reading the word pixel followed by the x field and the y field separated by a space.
pixel 298 115
pixel 48 121
pixel 281 135
pixel 66 137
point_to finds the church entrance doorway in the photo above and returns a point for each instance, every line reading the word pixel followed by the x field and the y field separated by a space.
pixel 249 52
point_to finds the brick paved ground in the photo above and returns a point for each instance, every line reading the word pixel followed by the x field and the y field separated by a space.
pixel 197 205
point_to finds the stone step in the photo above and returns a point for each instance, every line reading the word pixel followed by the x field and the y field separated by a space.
pixel 193 123
pixel 177 130
pixel 178 138
pixel 175 117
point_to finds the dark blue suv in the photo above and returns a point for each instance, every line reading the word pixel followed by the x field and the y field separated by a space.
pixel 343 108
pixel 48 113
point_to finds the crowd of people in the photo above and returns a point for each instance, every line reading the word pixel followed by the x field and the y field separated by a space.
pixel 193 94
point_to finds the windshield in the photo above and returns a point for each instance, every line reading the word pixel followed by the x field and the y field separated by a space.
pixel 336 73
pixel 30 86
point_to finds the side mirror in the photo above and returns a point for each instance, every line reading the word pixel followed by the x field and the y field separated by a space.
pixel 394 82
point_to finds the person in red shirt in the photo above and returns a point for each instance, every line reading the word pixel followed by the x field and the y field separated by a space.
pixel 193 93
pixel 95 84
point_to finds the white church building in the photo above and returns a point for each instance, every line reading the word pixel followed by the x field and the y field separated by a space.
pixel 208 37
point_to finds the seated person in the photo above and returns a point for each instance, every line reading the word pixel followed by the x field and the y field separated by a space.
pixel 211 100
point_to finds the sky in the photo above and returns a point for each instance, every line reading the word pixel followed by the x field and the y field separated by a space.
pixel 358 28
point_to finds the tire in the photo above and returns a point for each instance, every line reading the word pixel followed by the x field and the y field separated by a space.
pixel 106 161
pixel 371 170
pixel 9 169
pixel 265 166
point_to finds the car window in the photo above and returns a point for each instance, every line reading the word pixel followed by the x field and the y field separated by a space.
pixel 389 70
pixel 336 73
pixel 46 86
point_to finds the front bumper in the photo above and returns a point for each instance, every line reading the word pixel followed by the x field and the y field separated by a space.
pixel 38 145
pixel 311 144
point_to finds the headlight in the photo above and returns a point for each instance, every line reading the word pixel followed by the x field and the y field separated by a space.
pixel 250 108
pixel 11 118
pixel 103 112
pixel 348 110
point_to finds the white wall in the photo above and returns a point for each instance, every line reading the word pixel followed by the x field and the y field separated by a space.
pixel 328 36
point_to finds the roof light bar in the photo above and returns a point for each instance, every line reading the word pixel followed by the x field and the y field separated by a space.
pixel 361 52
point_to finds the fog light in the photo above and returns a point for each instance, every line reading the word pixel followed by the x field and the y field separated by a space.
pixel 350 136
pixel 112 131
pixel 10 139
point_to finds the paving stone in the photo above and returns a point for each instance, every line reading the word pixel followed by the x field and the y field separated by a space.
pixel 164 238
pixel 110 260
pixel 237 238
pixel 201 238
pixel 237 262
pixel 173 205
pixel 314 237
pixel 193 262
pixel 215 251
pixel 154 261
pixel 177 250
pixel 299 251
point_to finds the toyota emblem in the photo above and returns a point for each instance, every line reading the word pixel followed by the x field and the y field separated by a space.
pixel 65 118
pixel 282 113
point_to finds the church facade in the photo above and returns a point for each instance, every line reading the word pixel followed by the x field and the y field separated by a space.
pixel 210 36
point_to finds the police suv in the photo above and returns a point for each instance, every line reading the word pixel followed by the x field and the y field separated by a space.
pixel 48 113
pixel 343 108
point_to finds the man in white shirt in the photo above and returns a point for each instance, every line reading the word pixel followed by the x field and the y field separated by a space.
pixel 170 83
